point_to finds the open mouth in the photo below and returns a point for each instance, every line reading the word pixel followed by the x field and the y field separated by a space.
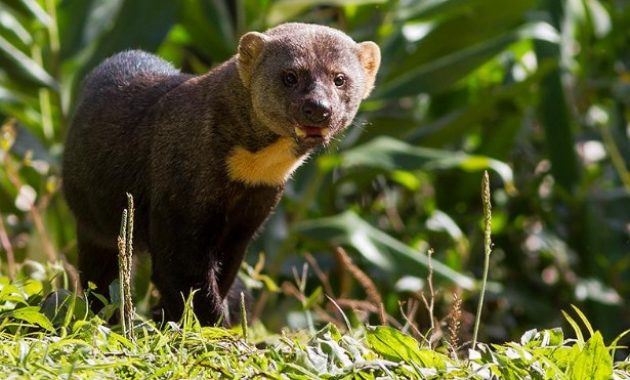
pixel 314 133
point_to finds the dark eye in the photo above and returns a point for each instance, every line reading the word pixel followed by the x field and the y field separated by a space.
pixel 289 78
pixel 339 80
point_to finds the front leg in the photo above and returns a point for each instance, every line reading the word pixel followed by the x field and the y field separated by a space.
pixel 175 287
pixel 230 251
pixel 247 209
pixel 182 262
pixel 203 247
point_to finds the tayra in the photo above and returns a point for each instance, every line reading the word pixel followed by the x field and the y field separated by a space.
pixel 205 157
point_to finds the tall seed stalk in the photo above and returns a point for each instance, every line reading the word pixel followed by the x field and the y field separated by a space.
pixel 125 253
pixel 487 244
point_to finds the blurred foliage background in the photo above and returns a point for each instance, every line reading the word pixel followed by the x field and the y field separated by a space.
pixel 537 92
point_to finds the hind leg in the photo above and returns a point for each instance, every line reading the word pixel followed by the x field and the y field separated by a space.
pixel 232 303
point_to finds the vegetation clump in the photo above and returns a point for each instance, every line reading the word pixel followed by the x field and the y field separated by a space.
pixel 66 341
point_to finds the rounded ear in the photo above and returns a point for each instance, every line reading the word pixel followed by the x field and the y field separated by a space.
pixel 249 48
pixel 370 57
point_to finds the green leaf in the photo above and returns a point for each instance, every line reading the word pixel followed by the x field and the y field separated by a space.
pixel 616 341
pixel 61 307
pixel 435 8
pixel 269 283
pixel 377 247
pixel 114 292
pixel 313 299
pixel 341 3
pixel 593 362
pixel 286 10
pixel 20 65
pixel 441 35
pixel 575 326
pixel 397 346
pixel 562 357
pixel 32 287
pixel 210 28
pixel 432 359
pixel 30 7
pixel 392 343
pixel 439 74
pixel 544 338
pixel 8 97
pixel 585 321
pixel 331 331
pixel 462 121
pixel 601 23
pixel 23 112
pixel 140 24
pixel 28 143
pixel 555 117
pixel 9 291
pixel 32 314
pixel 389 154
pixel 78 24
pixel 9 25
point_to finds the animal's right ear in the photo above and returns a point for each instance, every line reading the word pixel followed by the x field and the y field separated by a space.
pixel 249 48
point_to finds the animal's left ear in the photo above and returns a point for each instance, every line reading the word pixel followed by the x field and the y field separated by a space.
pixel 249 48
pixel 370 57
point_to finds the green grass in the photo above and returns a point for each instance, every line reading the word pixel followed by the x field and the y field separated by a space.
pixel 49 332
pixel 463 87
pixel 67 341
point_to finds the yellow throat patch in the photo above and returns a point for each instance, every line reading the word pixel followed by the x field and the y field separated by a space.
pixel 272 165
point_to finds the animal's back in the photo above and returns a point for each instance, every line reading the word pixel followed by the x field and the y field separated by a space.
pixel 129 81
pixel 113 124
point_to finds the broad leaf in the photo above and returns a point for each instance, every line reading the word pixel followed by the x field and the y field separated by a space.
pixel 398 346
pixel 10 27
pixel 286 10
pixel 140 24
pixel 379 248
pixel 81 22
pixel 392 344
pixel 436 8
pixel 386 153
pixel 20 65
pixel 32 314
pixel 594 362
pixel 30 8
pixel 441 73
pixel 210 28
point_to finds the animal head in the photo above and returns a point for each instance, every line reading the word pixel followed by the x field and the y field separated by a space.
pixel 306 81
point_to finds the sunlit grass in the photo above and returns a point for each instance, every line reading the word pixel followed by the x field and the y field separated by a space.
pixel 66 341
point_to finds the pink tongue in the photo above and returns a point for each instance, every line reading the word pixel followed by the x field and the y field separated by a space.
pixel 312 131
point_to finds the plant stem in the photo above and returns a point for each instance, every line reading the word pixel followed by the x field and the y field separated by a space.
pixel 44 100
pixel 122 249
pixel 126 280
pixel 487 244
pixel 8 247
pixel 244 317
pixel 37 218
pixel 615 156
pixel 53 30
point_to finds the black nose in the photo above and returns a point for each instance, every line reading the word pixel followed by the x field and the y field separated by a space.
pixel 316 111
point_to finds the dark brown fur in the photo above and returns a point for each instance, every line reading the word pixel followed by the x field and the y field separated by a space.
pixel 143 127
